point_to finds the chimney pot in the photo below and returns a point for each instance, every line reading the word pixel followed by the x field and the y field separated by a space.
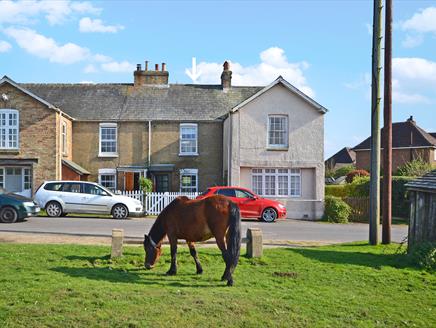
pixel 146 65
pixel 138 67
pixel 156 67
pixel 226 65
pixel 164 67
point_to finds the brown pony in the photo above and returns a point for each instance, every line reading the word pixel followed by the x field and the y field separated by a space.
pixel 197 220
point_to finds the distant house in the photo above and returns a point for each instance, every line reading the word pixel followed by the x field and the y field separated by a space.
pixel 185 137
pixel 346 156
pixel 409 142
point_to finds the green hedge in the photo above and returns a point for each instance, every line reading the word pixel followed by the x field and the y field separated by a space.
pixel 361 187
pixel 336 210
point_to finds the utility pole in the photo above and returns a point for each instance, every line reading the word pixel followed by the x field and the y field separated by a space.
pixel 387 137
pixel 374 220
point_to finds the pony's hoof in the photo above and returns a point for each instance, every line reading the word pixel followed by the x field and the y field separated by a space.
pixel 171 273
pixel 230 282
pixel 200 271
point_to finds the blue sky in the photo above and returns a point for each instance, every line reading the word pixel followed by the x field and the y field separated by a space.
pixel 322 47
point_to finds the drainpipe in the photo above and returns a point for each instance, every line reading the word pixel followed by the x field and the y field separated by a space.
pixel 149 143
pixel 229 151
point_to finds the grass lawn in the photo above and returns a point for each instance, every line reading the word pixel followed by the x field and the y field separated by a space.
pixel 336 286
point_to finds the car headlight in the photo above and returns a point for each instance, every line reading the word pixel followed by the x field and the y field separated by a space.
pixel 29 204
pixel 281 206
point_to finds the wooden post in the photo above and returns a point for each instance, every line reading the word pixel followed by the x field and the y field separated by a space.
pixel 387 137
pixel 254 242
pixel 374 220
pixel 117 243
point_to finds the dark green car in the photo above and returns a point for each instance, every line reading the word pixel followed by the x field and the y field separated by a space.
pixel 15 208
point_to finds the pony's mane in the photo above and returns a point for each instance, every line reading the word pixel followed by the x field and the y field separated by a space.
pixel 157 231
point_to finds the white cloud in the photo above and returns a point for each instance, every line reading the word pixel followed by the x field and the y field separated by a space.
pixel 414 80
pixel 88 25
pixel 87 82
pixel 369 28
pixel 422 21
pixel 56 12
pixel 4 46
pixel 102 58
pixel 363 81
pixel 118 67
pixel 44 47
pixel 273 63
pixel 412 41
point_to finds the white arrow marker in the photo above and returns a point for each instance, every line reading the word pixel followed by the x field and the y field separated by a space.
pixel 193 74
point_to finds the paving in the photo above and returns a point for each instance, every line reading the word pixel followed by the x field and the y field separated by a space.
pixel 98 231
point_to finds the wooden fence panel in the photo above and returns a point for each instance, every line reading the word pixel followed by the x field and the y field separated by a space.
pixel 359 208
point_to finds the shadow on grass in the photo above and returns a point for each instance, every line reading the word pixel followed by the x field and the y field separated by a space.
pixel 376 261
pixel 138 276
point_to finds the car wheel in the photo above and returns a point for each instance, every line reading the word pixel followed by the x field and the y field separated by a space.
pixel 119 211
pixel 63 214
pixel 53 209
pixel 269 214
pixel 8 215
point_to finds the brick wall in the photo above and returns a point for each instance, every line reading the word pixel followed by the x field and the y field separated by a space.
pixel 38 140
pixel 133 149
pixel 399 157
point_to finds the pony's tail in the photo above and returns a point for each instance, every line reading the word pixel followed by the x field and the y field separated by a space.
pixel 234 236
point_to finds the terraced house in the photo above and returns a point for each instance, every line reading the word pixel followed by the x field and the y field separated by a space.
pixel 185 137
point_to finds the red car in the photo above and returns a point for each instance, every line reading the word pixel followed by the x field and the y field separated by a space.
pixel 251 205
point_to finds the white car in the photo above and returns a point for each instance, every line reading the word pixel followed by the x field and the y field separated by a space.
pixel 62 197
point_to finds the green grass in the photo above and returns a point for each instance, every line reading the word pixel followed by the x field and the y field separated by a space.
pixel 336 286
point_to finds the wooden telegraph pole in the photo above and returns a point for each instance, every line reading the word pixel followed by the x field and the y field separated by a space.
pixel 374 220
pixel 387 137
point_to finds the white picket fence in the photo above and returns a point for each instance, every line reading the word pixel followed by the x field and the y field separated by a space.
pixel 155 202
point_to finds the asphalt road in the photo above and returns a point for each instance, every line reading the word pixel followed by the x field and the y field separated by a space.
pixel 285 230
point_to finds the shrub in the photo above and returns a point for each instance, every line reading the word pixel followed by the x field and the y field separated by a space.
pixel 400 203
pixel 343 171
pixel 336 190
pixel 424 255
pixel 415 168
pixel 356 173
pixel 359 187
pixel 146 184
pixel 336 210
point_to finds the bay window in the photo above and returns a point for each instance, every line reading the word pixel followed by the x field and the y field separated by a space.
pixel 276 182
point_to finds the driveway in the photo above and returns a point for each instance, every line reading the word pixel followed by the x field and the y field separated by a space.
pixel 287 230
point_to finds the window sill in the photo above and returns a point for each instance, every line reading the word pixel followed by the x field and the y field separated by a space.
pixel 277 148
pixel 9 151
pixel 105 155
pixel 188 154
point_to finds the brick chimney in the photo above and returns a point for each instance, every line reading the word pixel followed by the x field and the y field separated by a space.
pixel 146 77
pixel 226 76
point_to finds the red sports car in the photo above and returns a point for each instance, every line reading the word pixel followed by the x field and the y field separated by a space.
pixel 250 204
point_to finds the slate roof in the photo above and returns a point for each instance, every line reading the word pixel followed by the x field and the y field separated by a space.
pixel 125 102
pixel 345 155
pixel 433 134
pixel 404 134
pixel 426 182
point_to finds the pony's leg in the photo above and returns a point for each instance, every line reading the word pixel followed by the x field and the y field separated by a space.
pixel 193 252
pixel 173 268
pixel 222 246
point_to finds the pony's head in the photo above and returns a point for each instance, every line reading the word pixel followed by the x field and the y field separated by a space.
pixel 152 252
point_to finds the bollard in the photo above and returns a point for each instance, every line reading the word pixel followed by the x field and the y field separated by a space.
pixel 254 242
pixel 117 243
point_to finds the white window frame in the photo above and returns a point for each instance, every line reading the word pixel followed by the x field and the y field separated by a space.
pixel 64 138
pixel 108 154
pixel 110 172
pixel 188 125
pixel 190 172
pixel 278 146
pixel 7 127
pixel 290 173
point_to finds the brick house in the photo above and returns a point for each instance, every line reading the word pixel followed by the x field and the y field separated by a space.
pixel 346 156
pixel 173 133
pixel 409 142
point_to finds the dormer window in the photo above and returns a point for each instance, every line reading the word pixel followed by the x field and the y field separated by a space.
pixel 9 129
